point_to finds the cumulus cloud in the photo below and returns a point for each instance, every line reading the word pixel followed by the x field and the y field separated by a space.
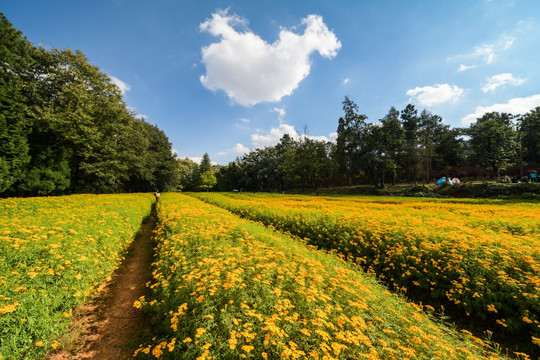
pixel 434 95
pixel 272 137
pixel 501 80
pixel 196 159
pixel 120 84
pixel 514 106
pixel 251 70
pixel 240 149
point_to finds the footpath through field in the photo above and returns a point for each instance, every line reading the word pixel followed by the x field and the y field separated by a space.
pixel 109 326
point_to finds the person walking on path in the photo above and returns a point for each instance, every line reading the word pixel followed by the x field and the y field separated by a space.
pixel 157 194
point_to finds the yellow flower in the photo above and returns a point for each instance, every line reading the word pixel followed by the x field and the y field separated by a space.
pixel 200 332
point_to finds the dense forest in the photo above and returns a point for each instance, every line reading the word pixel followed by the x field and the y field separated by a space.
pixel 64 128
pixel 404 146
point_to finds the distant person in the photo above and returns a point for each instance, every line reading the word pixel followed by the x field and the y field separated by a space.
pixel 534 176
pixel 157 194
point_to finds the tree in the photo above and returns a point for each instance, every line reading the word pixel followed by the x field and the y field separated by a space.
pixel 15 55
pixel 428 126
pixel 187 174
pixel 529 128
pixel 206 178
pixel 410 123
pixel 350 131
pixel 493 141
pixel 449 148
pixel 65 128
pixel 392 138
pixel 312 161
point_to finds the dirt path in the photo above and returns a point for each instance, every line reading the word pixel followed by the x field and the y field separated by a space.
pixel 108 327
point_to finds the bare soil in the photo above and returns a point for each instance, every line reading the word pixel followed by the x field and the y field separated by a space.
pixel 108 327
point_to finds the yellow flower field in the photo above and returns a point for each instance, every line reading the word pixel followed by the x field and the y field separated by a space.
pixel 227 288
pixel 54 253
pixel 477 259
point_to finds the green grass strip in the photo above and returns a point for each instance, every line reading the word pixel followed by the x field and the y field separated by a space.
pixel 56 252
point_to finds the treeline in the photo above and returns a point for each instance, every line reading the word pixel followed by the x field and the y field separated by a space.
pixel 402 146
pixel 64 127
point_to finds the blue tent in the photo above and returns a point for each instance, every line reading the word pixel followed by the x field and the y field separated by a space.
pixel 441 180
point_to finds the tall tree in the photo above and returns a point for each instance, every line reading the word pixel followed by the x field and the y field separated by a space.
pixel 410 123
pixel 206 177
pixel 449 148
pixel 428 126
pixel 493 141
pixel 351 128
pixel 15 57
pixel 529 128
pixel 187 174
pixel 391 142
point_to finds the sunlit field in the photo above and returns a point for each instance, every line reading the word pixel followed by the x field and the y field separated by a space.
pixel 54 254
pixel 266 276
pixel 476 260
pixel 227 288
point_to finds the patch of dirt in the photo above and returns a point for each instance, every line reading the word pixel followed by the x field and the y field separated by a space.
pixel 108 327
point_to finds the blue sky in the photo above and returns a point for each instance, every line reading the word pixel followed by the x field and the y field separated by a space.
pixel 225 77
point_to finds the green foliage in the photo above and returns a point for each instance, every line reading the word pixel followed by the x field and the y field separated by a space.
pixel 14 125
pixel 207 180
pixel 529 127
pixel 64 127
pixel 493 141
pixel 187 171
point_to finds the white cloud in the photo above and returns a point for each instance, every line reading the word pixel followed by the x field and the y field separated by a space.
pixel 244 120
pixel 196 159
pixel 135 114
pixel 487 52
pixel 281 113
pixel 120 84
pixel 333 137
pixel 250 70
pixel 465 67
pixel 240 149
pixel 273 136
pixel 500 80
pixel 434 95
pixel 514 106
pixel 346 81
